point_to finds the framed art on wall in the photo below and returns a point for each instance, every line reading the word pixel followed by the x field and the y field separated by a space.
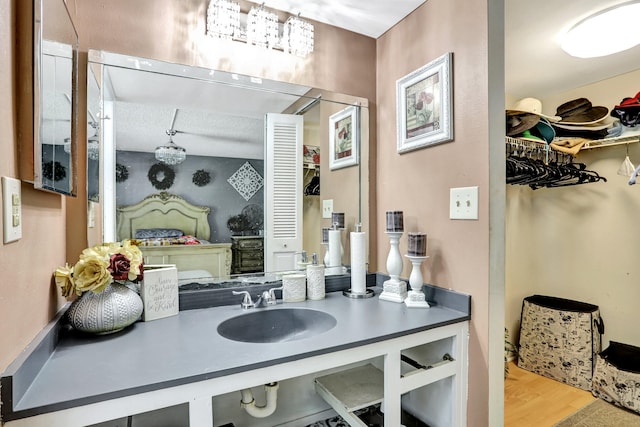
pixel 343 138
pixel 424 105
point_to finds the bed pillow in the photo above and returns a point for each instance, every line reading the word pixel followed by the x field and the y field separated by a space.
pixel 157 233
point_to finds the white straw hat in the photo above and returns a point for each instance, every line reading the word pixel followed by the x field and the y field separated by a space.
pixel 534 106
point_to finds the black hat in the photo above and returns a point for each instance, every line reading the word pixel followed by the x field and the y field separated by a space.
pixel 517 122
pixel 580 111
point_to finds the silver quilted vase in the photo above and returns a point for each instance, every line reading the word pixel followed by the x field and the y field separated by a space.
pixel 106 312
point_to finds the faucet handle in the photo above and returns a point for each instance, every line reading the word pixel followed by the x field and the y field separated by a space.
pixel 272 295
pixel 246 301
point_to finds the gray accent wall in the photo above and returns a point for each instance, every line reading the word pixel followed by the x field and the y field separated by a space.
pixel 218 194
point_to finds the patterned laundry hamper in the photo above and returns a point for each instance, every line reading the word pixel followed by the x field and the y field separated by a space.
pixel 616 378
pixel 559 339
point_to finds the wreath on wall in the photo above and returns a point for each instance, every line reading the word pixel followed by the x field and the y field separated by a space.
pixel 122 174
pixel 161 176
pixel 54 171
pixel 201 178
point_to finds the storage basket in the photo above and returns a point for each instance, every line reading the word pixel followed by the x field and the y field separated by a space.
pixel 559 339
pixel 616 378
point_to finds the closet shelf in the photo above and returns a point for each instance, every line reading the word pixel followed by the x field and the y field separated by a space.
pixel 610 142
pixel 596 143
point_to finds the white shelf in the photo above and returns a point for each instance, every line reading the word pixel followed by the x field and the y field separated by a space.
pixel 609 142
pixel 350 390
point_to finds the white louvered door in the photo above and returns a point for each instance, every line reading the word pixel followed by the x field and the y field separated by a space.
pixel 283 191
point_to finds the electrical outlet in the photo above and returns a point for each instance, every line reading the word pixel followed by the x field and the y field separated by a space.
pixel 463 203
pixel 12 209
pixel 327 208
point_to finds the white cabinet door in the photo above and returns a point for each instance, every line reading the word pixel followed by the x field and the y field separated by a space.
pixel 283 191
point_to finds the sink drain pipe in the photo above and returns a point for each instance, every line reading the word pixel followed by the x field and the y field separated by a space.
pixel 249 403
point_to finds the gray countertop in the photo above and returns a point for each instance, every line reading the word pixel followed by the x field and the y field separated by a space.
pixel 181 349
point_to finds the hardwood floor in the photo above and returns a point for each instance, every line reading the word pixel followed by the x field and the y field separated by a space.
pixel 531 400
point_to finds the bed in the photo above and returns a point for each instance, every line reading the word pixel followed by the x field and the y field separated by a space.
pixel 163 212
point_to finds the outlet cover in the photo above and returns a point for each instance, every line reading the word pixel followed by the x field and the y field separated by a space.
pixel 463 203
pixel 327 208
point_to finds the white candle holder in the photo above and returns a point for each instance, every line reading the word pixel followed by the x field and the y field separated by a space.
pixel 394 289
pixel 416 297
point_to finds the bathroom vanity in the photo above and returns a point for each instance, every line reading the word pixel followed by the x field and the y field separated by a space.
pixel 65 378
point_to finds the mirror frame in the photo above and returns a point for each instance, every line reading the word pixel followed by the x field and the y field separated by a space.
pixel 39 102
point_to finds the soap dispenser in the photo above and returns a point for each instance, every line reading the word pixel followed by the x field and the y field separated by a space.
pixel 304 261
pixel 315 279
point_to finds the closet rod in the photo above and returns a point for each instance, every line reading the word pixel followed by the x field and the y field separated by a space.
pixel 610 142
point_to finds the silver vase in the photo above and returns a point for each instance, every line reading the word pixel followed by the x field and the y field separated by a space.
pixel 106 312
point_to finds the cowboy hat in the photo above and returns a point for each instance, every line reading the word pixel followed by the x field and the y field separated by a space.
pixel 518 122
pixel 580 111
pixel 533 106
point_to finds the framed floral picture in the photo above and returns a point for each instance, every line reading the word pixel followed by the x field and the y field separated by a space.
pixel 424 106
pixel 343 138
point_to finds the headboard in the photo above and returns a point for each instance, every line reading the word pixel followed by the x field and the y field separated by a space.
pixel 163 210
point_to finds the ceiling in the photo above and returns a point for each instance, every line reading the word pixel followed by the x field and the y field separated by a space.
pixel 534 63
pixel 535 66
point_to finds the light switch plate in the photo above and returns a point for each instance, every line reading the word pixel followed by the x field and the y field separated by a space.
pixel 463 203
pixel 12 209
pixel 327 208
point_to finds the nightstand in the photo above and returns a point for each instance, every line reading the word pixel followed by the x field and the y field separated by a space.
pixel 248 254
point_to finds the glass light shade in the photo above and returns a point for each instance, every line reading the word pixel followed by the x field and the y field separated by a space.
pixel 170 154
pixel 609 31
pixel 93 148
pixel 262 28
pixel 298 36
pixel 223 19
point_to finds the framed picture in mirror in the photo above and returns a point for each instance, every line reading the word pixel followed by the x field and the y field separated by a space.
pixel 343 138
pixel 423 103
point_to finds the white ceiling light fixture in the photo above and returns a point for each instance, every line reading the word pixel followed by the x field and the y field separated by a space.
pixel 606 32
pixel 295 36
pixel 170 153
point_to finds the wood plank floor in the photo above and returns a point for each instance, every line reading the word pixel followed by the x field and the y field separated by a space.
pixel 531 400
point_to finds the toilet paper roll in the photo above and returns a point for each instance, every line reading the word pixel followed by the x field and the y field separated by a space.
pixel 358 263
pixel 335 248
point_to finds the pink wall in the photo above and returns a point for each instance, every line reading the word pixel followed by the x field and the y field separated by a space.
pixel 418 182
pixel 28 299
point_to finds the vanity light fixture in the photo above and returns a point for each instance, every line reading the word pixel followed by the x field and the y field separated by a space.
pixel 224 20
pixel 606 32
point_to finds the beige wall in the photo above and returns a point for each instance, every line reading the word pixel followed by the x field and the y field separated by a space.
pixel 418 182
pixel 173 30
pixel 27 295
pixel 578 242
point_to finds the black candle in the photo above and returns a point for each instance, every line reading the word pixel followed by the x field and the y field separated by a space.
pixel 395 221
pixel 338 218
pixel 417 244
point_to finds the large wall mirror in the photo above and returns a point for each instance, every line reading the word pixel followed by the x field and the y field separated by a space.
pixel 55 98
pixel 218 120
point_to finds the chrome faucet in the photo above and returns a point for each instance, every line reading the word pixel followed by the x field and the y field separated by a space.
pixel 267 298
